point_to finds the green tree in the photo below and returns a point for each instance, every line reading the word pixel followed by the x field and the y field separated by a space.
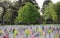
pixel 5 5
pixel 28 14
pixel 57 8
pixel 45 3
pixel 50 13
pixel 8 18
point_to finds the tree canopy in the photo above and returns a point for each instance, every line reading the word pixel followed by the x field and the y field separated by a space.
pixel 50 13
pixel 28 14
pixel 57 9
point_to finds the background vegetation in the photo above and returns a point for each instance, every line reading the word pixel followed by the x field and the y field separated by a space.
pixel 26 12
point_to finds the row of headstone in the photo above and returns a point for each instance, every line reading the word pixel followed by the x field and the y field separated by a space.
pixel 30 31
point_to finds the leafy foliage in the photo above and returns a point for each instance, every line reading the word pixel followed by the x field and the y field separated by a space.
pixel 28 14
pixel 50 13
pixel 57 8
pixel 8 17
pixel 45 3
